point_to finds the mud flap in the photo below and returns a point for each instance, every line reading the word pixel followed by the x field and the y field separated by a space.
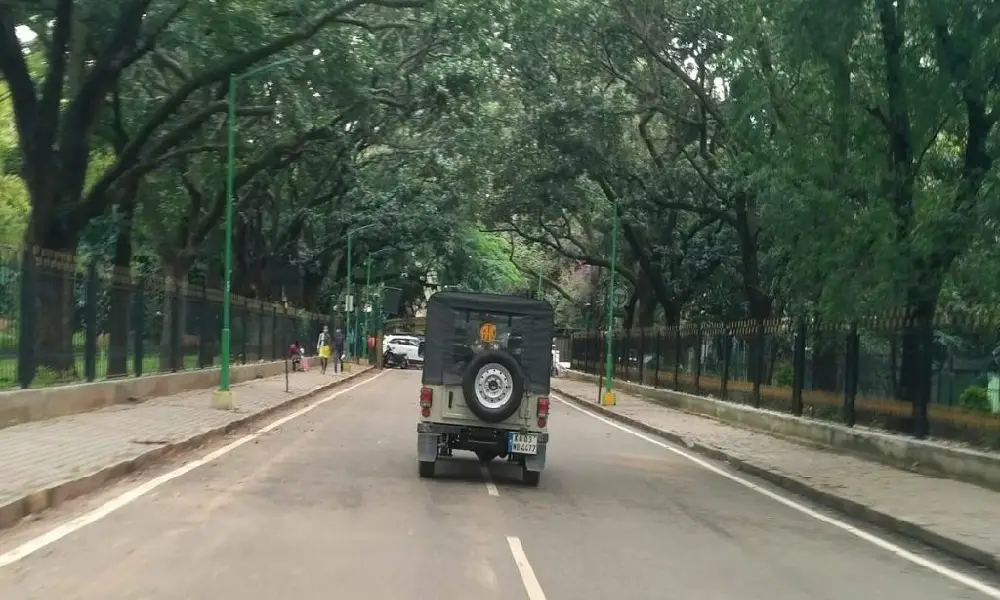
pixel 427 446
pixel 536 462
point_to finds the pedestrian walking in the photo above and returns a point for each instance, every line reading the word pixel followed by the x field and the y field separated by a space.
pixel 338 351
pixel 323 349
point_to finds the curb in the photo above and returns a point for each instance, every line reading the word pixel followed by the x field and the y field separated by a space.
pixel 12 513
pixel 843 505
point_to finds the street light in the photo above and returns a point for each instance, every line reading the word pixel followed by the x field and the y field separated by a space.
pixel 350 276
pixel 368 283
pixel 223 397
pixel 608 397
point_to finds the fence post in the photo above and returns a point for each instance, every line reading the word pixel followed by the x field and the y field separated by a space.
pixel 642 355
pixel 28 320
pixel 90 324
pixel 727 359
pixel 925 349
pixel 602 352
pixel 697 359
pixel 626 355
pixel 176 355
pixel 851 374
pixel 759 358
pixel 799 367
pixel 274 332
pixel 677 357
pixel 205 358
pixel 244 333
pixel 286 325
pixel 138 326
pixel 260 331
pixel 656 359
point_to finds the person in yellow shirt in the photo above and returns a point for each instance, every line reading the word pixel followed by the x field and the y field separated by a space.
pixel 323 348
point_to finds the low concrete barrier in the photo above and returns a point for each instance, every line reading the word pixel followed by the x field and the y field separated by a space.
pixel 23 406
pixel 921 456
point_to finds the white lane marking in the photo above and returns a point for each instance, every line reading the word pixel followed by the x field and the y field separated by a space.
pixel 491 488
pixel 531 585
pixel 57 533
pixel 899 551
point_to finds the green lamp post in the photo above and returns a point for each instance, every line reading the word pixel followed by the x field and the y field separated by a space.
pixel 223 397
pixel 608 397
pixel 351 305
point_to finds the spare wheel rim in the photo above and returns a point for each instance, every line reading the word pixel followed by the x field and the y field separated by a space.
pixel 494 386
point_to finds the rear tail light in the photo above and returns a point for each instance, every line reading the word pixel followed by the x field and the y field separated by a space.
pixel 543 411
pixel 543 407
pixel 426 400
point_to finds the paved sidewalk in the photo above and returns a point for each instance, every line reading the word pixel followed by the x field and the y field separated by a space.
pixel 44 463
pixel 956 517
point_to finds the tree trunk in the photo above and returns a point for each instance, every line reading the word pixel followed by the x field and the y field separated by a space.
pixel 312 284
pixel 647 311
pixel 916 355
pixel 174 314
pixel 672 314
pixel 629 310
pixel 49 294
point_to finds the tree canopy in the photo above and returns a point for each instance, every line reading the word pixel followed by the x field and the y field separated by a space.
pixel 767 159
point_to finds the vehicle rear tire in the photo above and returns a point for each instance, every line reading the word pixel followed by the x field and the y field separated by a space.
pixel 531 478
pixel 486 455
pixel 426 469
pixel 493 386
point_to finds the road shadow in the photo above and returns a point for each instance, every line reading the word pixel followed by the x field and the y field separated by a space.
pixel 462 469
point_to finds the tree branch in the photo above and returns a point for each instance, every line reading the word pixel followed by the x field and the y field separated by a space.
pixel 271 157
pixel 15 71
pixel 584 258
pixel 244 61
pixel 93 203
pixel 47 126
pixel 535 275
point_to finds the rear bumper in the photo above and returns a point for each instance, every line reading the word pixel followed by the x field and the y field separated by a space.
pixel 474 438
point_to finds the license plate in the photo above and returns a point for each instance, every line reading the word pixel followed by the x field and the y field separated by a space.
pixel 524 443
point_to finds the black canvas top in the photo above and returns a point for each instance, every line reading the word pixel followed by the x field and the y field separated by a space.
pixel 523 328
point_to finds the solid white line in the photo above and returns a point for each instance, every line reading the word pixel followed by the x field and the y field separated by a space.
pixel 491 488
pixel 54 535
pixel 899 551
pixel 531 585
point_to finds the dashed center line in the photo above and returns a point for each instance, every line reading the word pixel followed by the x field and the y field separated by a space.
pixel 531 585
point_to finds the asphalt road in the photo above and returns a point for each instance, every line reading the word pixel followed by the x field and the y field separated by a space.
pixel 329 505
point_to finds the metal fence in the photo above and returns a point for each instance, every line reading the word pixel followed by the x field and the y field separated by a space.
pixel 854 373
pixel 63 322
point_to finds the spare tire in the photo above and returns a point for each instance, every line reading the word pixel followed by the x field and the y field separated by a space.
pixel 493 386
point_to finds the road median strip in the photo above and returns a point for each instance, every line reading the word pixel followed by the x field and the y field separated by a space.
pixel 846 506
pixel 51 496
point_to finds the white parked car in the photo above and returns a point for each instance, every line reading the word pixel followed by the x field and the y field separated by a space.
pixel 409 346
